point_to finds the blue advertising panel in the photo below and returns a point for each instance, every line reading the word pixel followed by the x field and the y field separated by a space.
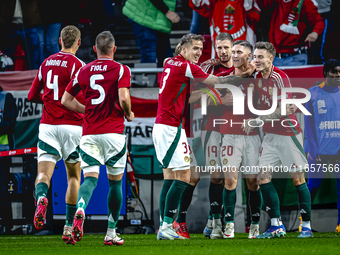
pixel 98 202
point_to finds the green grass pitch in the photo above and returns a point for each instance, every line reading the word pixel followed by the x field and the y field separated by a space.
pixel 322 243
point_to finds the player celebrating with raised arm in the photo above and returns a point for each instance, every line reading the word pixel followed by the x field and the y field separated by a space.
pixel 60 128
pixel 281 146
pixel 105 85
pixel 168 134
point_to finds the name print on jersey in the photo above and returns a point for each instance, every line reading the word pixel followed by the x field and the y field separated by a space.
pixel 98 68
pixel 57 62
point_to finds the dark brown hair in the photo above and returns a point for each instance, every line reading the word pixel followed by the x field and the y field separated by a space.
pixel 266 46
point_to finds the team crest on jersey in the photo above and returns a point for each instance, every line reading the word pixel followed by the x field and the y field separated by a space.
pixel 212 162
pixel 229 19
pixel 321 107
pixel 270 91
pixel 259 83
pixel 225 161
pixel 186 159
pixel 191 160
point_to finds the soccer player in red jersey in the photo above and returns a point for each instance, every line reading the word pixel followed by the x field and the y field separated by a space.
pixel 168 134
pixel 60 128
pixel 105 84
pixel 221 67
pixel 212 137
pixel 282 144
pixel 239 150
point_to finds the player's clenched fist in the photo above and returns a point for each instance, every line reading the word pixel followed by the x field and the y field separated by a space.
pixel 130 117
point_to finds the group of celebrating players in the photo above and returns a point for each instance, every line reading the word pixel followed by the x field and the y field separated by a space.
pixel 229 146
pixel 83 123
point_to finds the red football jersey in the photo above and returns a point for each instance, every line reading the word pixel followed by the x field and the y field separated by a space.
pixel 264 89
pixel 309 20
pixel 215 112
pixel 53 77
pixel 100 81
pixel 233 127
pixel 175 89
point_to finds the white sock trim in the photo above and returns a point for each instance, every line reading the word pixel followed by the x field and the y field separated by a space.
pixel 111 232
pixel 306 224
pixel 276 222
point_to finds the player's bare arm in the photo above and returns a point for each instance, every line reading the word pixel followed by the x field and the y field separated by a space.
pixel 72 103
pixel 231 79
pixel 34 95
pixel 125 103
pixel 227 100
pixel 195 96
pixel 210 62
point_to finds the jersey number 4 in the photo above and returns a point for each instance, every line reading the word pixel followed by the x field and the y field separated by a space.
pixel 53 84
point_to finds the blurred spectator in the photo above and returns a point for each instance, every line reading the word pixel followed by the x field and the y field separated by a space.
pixel 294 25
pixel 324 8
pixel 18 25
pixel 238 18
pixel 4 61
pixel 51 25
pixel 335 9
pixel 8 115
pixel 102 17
pixel 199 24
pixel 152 26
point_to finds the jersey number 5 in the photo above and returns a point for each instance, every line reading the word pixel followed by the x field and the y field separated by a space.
pixel 53 84
pixel 100 89
pixel 166 76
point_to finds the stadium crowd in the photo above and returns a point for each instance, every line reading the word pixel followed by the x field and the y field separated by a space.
pixel 85 106
pixel 35 28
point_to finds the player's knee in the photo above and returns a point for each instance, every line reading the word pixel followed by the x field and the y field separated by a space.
pixel 194 181
pixel 252 184
pixel 73 174
pixel 44 177
pixel 230 183
pixel 261 181
pixel 74 180
pixel 298 178
pixel 298 181
pixel 217 180
pixel 185 179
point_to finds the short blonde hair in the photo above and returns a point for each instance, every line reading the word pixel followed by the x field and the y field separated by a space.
pixel 69 35
pixel 178 49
